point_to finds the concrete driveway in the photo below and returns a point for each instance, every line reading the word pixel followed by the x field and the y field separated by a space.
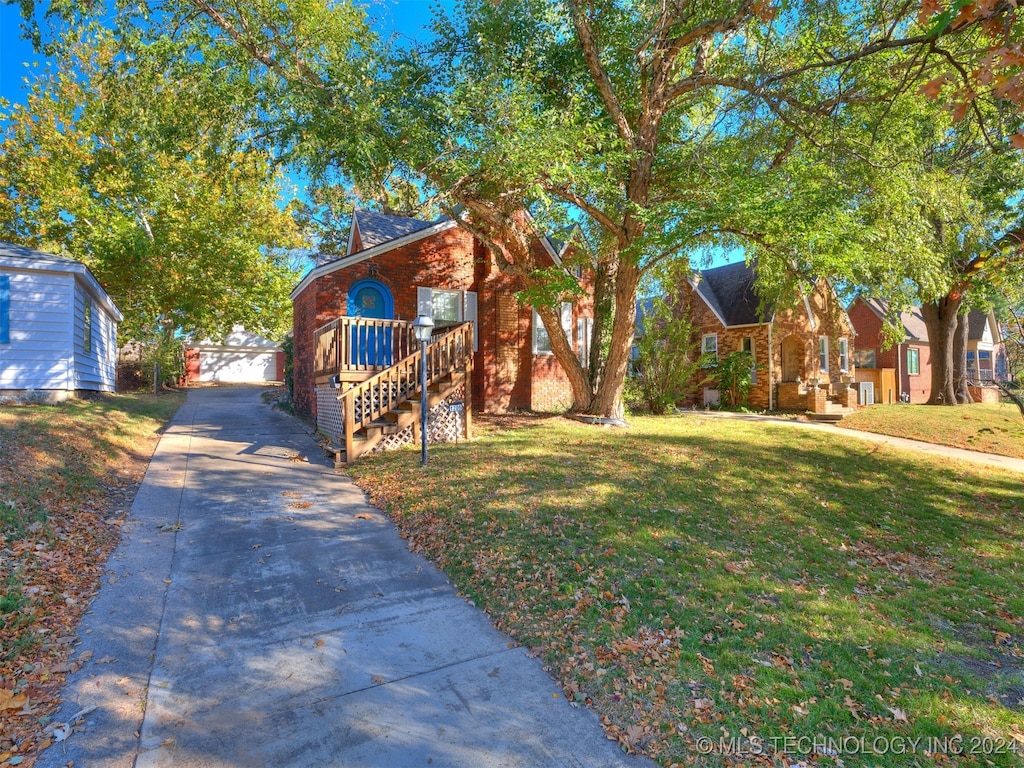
pixel 260 613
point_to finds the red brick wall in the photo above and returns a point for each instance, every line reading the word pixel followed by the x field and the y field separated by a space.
pixel 869 336
pixel 450 259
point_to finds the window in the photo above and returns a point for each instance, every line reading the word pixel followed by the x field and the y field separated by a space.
pixel 864 358
pixel 747 345
pixel 447 307
pixel 823 353
pixel 87 326
pixel 541 340
pixel 985 372
pixel 584 330
pixel 709 346
pixel 5 309
pixel 913 361
pixel 844 355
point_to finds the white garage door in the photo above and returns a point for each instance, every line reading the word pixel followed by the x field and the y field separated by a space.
pixel 231 367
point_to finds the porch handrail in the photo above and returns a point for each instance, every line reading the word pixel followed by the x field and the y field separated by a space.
pixel 348 344
pixel 390 388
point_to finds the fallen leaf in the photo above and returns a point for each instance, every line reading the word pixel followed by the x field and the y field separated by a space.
pixel 377 679
pixel 898 715
pixel 364 516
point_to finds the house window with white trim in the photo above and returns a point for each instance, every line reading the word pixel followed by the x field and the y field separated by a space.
pixel 541 340
pixel 447 307
pixel 709 346
pixel 823 353
pixel 747 345
pixel 844 355
pixel 914 361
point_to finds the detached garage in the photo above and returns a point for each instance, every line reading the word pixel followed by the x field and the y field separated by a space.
pixel 243 358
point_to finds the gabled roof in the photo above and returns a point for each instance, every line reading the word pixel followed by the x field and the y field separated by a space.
pixel 379 228
pixel 914 327
pixel 19 257
pixel 911 319
pixel 401 229
pixel 729 292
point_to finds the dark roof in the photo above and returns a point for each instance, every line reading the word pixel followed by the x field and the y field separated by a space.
pixel 977 321
pixel 379 228
pixel 913 321
pixel 729 291
pixel 11 250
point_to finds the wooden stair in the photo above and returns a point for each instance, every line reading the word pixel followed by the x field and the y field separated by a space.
pixel 390 401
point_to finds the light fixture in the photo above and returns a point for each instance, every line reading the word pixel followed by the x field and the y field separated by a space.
pixel 421 328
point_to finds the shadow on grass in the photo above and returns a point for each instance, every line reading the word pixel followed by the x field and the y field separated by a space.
pixel 824 586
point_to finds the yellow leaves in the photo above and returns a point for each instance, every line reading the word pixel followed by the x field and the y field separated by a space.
pixel 9 700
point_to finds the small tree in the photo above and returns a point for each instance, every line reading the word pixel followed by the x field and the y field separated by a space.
pixel 735 375
pixel 667 363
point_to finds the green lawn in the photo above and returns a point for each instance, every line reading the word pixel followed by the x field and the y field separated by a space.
pixel 734 587
pixel 989 428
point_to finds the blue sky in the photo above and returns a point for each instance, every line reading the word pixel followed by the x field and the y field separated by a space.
pixel 407 18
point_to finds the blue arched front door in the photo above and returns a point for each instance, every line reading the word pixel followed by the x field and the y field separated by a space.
pixel 371 299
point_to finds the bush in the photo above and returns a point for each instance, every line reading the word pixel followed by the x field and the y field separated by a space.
pixel 734 376
pixel 667 364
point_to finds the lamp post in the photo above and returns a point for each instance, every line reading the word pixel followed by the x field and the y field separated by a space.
pixel 421 327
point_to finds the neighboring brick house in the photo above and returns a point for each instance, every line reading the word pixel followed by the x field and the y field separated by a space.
pixel 911 359
pixel 801 354
pixel 397 268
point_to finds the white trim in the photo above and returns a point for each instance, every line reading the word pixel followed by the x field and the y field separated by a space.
pixel 46 262
pixel 352 232
pixel 694 282
pixel 843 341
pixel 810 313
pixel 565 321
pixel 369 253
pixel 826 351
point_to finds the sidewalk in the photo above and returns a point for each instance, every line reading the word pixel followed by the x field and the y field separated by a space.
pixel 260 613
pixel 958 454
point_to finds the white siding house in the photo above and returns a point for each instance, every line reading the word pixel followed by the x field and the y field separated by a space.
pixel 58 327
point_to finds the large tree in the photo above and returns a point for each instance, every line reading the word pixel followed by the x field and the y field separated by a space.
pixel 135 163
pixel 625 115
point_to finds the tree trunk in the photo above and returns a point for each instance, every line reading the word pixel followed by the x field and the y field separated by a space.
pixel 960 377
pixel 561 347
pixel 608 397
pixel 940 318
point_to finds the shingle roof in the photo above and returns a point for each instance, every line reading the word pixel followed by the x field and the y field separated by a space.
pixel 914 325
pixel 10 250
pixel 378 228
pixel 729 291
pixel 976 324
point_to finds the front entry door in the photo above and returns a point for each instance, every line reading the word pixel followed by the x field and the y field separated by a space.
pixel 371 346
pixel 792 358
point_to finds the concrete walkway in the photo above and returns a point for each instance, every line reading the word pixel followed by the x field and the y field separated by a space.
pixel 259 613
pixel 958 454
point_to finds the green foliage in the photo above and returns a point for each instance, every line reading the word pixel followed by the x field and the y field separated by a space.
pixel 667 362
pixel 134 159
pixel 288 347
pixel 734 376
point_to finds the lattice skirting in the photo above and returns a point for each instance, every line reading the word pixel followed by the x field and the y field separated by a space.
pixel 443 426
pixel 328 414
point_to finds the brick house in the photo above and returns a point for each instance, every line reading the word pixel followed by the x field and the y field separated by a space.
pixel 396 268
pixel 801 354
pixel 911 359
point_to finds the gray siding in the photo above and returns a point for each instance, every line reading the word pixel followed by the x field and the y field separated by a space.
pixel 38 355
pixel 94 369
